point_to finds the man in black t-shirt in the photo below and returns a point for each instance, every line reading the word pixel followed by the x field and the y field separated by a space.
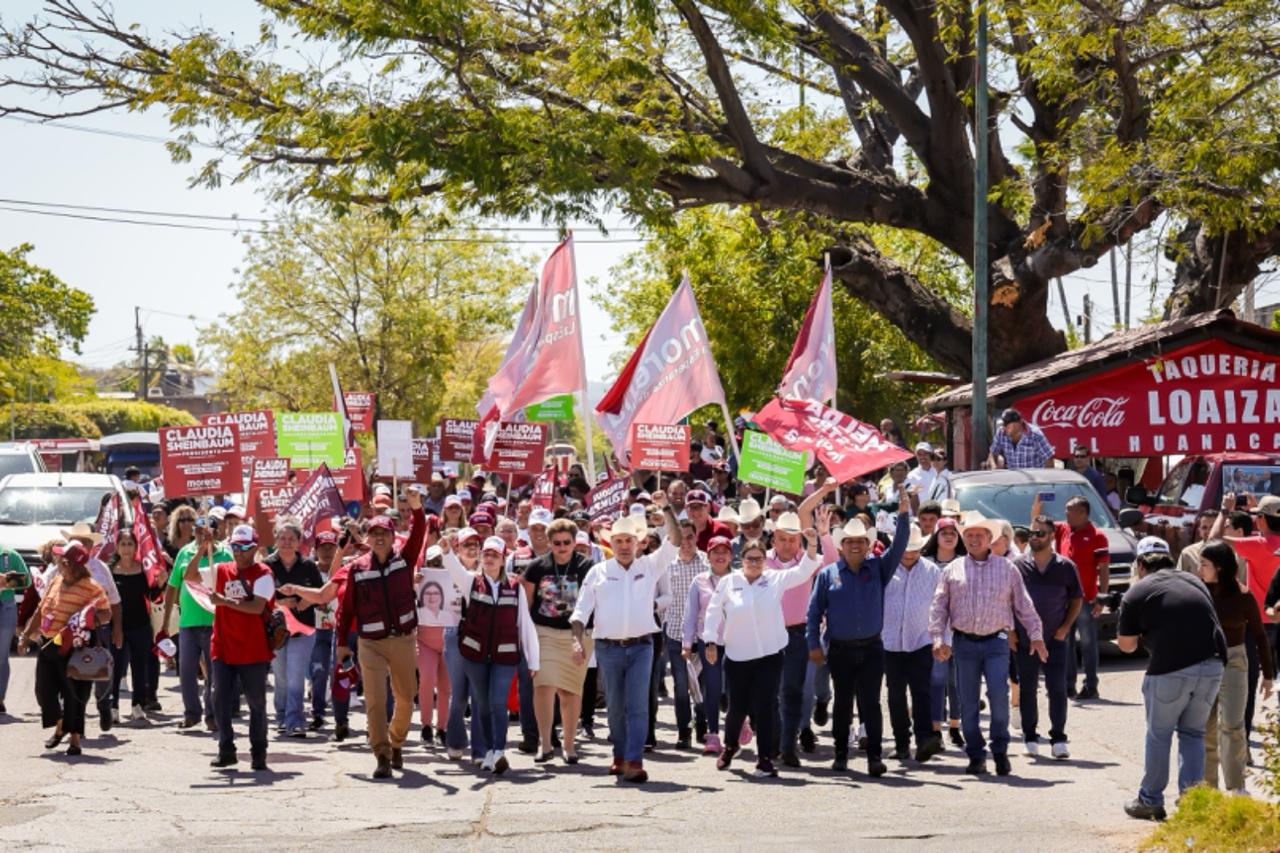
pixel 1172 613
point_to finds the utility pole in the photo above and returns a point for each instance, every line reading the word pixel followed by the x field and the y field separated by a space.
pixel 141 349
pixel 1115 287
pixel 1128 281
pixel 1086 319
pixel 1250 312
pixel 981 303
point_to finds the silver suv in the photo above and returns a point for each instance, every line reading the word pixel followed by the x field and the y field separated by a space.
pixel 19 457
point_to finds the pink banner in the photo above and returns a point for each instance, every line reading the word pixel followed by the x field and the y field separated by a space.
pixel 845 446
pixel 810 373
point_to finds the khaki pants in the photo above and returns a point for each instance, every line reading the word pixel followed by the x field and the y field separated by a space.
pixel 397 657
pixel 1224 735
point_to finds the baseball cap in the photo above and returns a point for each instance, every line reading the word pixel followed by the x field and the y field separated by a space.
pixel 243 536
pixel 218 513
pixel 1010 416
pixel 481 518
pixel 75 552
pixel 452 500
pixel 636 509
pixel 697 496
pixel 238 511
pixel 494 543
pixel 326 537
pixel 381 522
pixel 582 538
pixel 540 516
pixel 466 534
pixel 434 553
pixel 1268 505
pixel 1152 545
pixel 381 489
pixel 644 498
pixel 925 446
pixel 719 542
pixel 382 500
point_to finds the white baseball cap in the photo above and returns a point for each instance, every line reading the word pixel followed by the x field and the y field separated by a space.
pixel 541 517
pixel 1152 545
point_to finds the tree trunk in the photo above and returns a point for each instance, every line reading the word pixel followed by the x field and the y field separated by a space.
pixel 1206 277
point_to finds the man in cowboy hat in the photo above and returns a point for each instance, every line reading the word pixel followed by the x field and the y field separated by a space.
pixel 849 595
pixel 975 606
pixel 750 525
pixel 620 593
pixel 87 536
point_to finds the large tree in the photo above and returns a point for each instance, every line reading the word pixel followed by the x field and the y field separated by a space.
pixel 1106 116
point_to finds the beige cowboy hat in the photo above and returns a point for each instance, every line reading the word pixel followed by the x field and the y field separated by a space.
pixel 916 541
pixel 82 531
pixel 951 508
pixel 854 529
pixel 788 522
pixel 748 511
pixel 727 515
pixel 628 525
pixel 976 521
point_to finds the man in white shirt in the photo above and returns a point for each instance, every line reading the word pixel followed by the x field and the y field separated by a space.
pixel 620 592
pixel 920 480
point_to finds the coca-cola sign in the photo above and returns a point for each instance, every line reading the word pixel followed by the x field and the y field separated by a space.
pixel 1207 397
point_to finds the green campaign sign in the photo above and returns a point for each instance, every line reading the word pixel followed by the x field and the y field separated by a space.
pixel 311 438
pixel 769 464
pixel 558 408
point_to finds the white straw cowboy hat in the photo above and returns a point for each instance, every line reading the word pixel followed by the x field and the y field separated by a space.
pixel 628 525
pixel 82 531
pixel 748 511
pixel 854 529
pixel 788 522
pixel 728 516
pixel 917 540
pixel 976 521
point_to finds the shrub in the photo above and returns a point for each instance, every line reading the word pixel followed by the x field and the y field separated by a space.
pixel 1211 820
pixel 112 416
pixel 48 420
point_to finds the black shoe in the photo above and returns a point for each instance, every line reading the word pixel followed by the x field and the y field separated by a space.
pixel 765 769
pixel 224 759
pixel 152 707
pixel 841 764
pixel 931 747
pixel 875 767
pixel 1003 767
pixel 544 757
pixel 104 717
pixel 340 732
pixel 528 745
pixel 589 732
pixel 1088 693
pixel 725 759
pixel 808 742
pixel 790 759
pixel 74 749
pixel 54 740
pixel 397 759
pixel 1143 811
pixel 684 741
pixel 820 714
pixel 862 744
pixel 427 735
pixel 977 767
pixel 957 738
pixel 1071 694
pixel 440 737
pixel 3 710
pixel 902 753
pixel 189 722
pixel 383 770
pixel 317 723
pixel 259 762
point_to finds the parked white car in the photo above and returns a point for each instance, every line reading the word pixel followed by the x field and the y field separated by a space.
pixel 34 507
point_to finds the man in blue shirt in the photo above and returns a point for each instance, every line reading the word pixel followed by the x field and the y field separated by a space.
pixel 850 595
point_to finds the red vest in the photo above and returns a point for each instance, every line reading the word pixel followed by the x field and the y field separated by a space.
pixel 240 638
pixel 491 630
pixel 385 603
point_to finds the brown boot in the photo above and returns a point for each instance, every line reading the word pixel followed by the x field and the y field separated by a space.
pixel 616 767
pixel 635 772
pixel 397 759
pixel 383 770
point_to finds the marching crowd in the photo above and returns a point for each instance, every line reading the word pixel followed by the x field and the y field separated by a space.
pixel 772 614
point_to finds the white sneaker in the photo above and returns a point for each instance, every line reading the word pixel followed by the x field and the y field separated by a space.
pixel 138 715
pixel 489 758
pixel 455 754
pixel 1032 748
pixel 1060 750
pixel 115 716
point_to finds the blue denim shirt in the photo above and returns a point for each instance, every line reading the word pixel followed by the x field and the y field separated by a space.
pixel 853 600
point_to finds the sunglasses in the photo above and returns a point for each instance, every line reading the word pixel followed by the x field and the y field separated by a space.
pixel 1039 534
pixel 561 543
pixel 243 547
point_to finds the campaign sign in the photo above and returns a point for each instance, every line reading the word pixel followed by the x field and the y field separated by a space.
pixel 422 460
pixel 456 436
pixel 518 449
pixel 268 475
pixel 201 460
pixel 557 408
pixel 349 478
pixel 609 499
pixel 309 439
pixel 360 406
pixel 769 464
pixel 660 447
pixel 257 433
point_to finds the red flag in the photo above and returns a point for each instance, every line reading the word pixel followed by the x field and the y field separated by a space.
pixel 670 374
pixel 317 500
pixel 810 373
pixel 108 527
pixel 544 489
pixel 485 407
pixel 291 622
pixel 340 406
pixel 846 446
pixel 549 362
pixel 149 554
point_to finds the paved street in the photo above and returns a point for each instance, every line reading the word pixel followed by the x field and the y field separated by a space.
pixel 151 787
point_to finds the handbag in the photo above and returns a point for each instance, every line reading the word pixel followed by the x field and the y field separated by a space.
pixel 91 663
pixel 277 630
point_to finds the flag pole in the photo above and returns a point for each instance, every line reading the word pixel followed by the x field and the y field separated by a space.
pixel 728 428
pixel 582 355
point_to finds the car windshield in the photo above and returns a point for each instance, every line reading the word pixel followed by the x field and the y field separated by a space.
pixel 15 463
pixel 64 505
pixel 1012 502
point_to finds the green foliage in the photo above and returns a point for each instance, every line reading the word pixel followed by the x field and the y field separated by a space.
pixel 36 377
pixel 1214 821
pixel 112 416
pixel 754 278
pixel 49 420
pixel 417 321
pixel 40 312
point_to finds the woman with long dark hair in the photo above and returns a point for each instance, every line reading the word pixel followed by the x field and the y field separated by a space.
pixel 135 618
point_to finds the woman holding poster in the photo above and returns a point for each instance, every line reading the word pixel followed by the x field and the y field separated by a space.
pixel 439 608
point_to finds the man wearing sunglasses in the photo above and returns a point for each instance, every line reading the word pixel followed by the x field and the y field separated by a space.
pixel 1081 462
pixel 1054 587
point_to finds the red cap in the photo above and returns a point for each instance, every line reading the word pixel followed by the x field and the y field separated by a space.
pixel 481 518
pixel 381 522
pixel 719 542
pixel 944 523
pixel 75 553
pixel 326 537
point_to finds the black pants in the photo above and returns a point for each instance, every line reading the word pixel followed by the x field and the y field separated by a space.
pixel 590 687
pixel 136 652
pixel 856 670
pixel 1255 673
pixel 659 652
pixel 252 678
pixel 909 672
pixel 753 689
pixel 60 698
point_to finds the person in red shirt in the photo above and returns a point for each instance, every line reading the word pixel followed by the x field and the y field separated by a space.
pixel 697 505
pixel 243 591
pixel 1086 546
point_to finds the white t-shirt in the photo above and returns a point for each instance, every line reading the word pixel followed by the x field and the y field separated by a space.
pixel 102 575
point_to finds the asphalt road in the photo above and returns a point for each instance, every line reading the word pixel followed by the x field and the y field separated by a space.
pixel 150 786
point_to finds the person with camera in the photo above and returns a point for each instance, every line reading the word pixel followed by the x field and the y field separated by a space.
pixel 551 583
pixel 195 624
pixel 69 591
pixel 243 593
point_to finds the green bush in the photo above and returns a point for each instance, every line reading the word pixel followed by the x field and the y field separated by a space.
pixel 1211 820
pixel 47 420
pixel 112 416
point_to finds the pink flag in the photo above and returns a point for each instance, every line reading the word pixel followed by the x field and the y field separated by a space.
pixel 485 407
pixel 846 446
pixel 811 370
pixel 670 374
pixel 550 360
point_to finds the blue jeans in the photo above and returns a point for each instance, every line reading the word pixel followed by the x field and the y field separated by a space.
pixel 1055 683
pixel 1085 634
pixel 680 679
pixel 8 627
pixel 320 670
pixel 1177 701
pixel 797 685
pixel 976 660
pixel 291 668
pixel 626 671
pixel 491 682
pixel 712 679
pixel 528 718
pixel 459 691
pixel 193 646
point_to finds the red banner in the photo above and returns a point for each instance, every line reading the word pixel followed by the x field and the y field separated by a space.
pixel 1207 397
pixel 201 460
pixel 456 439
pixel 270 476
pixel 422 460
pixel 544 489
pixel 257 433
pixel 609 499
pixel 149 552
pixel 660 447
pixel 846 446
pixel 107 526
pixel 313 502
pixel 360 406
pixel 349 478
pixel 518 449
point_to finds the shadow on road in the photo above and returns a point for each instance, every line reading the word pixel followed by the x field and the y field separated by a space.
pixel 246 779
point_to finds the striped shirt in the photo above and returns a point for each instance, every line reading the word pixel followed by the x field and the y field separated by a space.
pixel 981 597
pixel 908 598
pixel 62 600
pixel 679 578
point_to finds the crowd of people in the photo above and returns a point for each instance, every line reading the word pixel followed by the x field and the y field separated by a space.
pixel 771 613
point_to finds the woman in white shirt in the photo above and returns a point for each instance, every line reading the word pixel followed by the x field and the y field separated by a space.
pixel 745 616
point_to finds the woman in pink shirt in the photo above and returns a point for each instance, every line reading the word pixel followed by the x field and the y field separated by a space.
pixel 720 556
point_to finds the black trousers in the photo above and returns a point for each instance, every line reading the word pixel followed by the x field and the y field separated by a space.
pixel 856 670
pixel 136 652
pixel 909 672
pixel 589 689
pixel 60 698
pixel 753 689
pixel 252 680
